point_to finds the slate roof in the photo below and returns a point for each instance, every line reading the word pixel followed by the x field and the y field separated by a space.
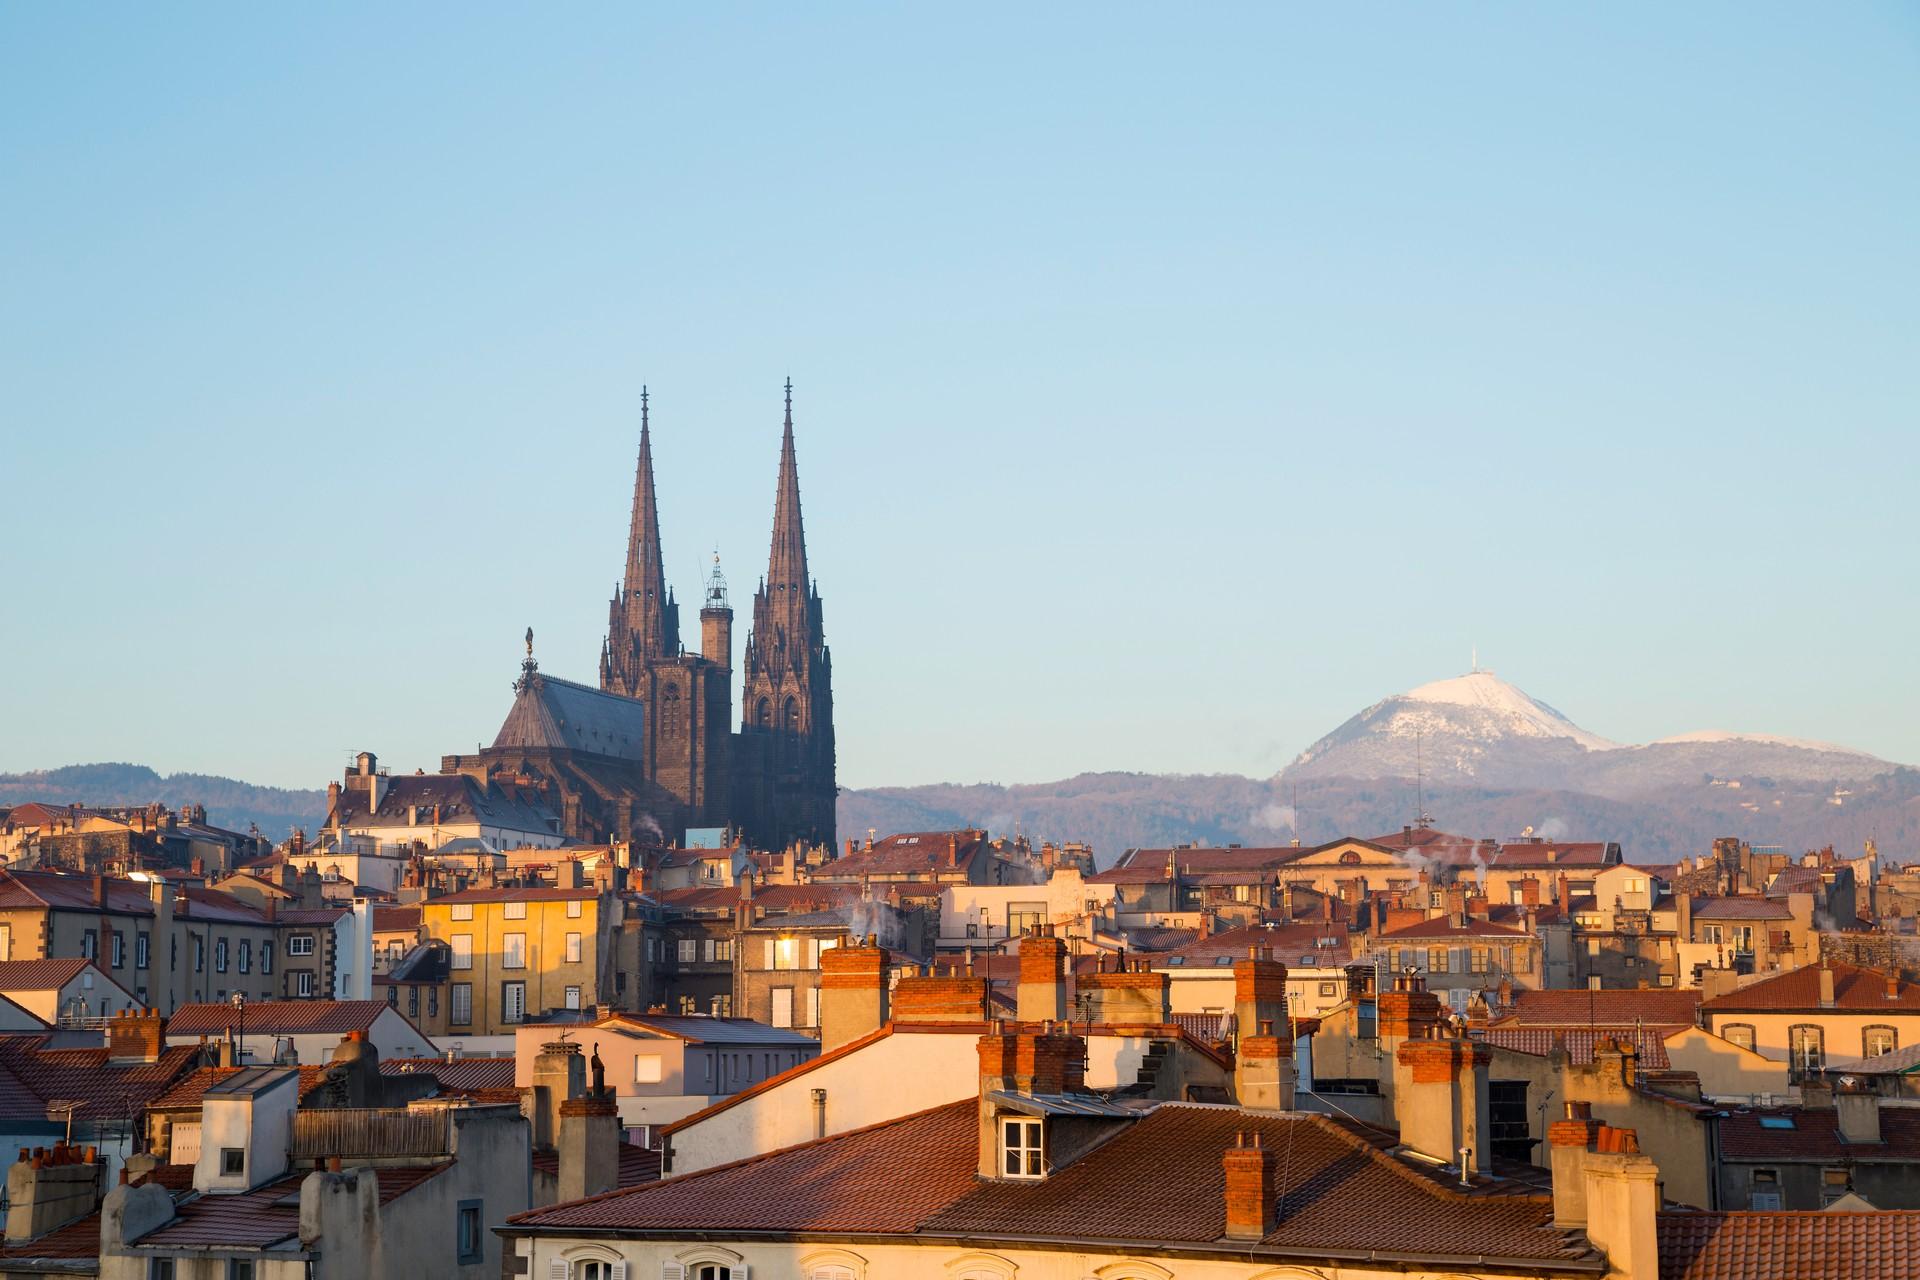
pixel 553 714
pixel 1815 1135
pixel 461 798
pixel 1897 1063
pixel 1854 989
pixel 1601 1009
pixel 1789 1245
pixel 1159 1182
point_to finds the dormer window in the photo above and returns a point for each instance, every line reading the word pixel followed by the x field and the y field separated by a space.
pixel 1020 1141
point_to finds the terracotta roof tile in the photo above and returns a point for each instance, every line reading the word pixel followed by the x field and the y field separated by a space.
pixel 1789 1246
pixel 637 1165
pixel 277 1017
pixel 1650 1041
pixel 40 975
pixel 1853 988
pixel 1601 1008
pixel 1159 1181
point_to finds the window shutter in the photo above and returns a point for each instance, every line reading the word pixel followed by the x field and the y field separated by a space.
pixel 737 1273
pixel 769 953
pixel 672 1271
pixel 557 1269
pixel 618 1271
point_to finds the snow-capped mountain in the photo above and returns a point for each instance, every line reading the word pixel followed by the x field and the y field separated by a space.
pixel 1481 729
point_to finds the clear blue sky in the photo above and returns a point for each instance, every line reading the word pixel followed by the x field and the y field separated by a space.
pixel 1170 384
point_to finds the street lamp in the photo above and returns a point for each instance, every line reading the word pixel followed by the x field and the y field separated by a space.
pixel 239 1002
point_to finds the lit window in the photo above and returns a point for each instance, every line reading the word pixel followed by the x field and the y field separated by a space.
pixel 647 1068
pixel 1020 1147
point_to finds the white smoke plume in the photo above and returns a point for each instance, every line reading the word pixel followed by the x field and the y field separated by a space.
pixel 1277 817
pixel 1552 829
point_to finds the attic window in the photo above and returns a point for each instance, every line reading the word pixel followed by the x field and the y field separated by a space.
pixel 233 1161
pixel 1176 960
pixel 1020 1138
pixel 1776 1122
pixel 1223 959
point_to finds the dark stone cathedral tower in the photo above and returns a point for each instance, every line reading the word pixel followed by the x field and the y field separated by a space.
pixel 784 755
pixel 688 697
pixel 652 750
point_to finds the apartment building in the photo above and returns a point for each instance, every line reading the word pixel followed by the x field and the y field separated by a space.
pixel 515 953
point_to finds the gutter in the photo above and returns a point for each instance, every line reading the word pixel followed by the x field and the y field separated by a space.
pixel 1253 1250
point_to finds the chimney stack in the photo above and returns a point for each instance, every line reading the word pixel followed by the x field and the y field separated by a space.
pixel 135 1036
pixel 1623 1204
pixel 1048 1062
pixel 559 1075
pixel 1826 987
pixel 1568 1141
pixel 1042 993
pixel 51 1188
pixel 1130 993
pixel 1260 994
pixel 1441 1097
pixel 1264 1076
pixel 853 992
pixel 589 1146
pixel 1857 1109
pixel 1251 1191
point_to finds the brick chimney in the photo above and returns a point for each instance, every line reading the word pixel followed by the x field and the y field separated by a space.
pixel 1530 893
pixel 1407 1011
pixel 1623 1203
pixel 1441 1097
pixel 1568 1141
pixel 1042 993
pixel 945 995
pixel 853 992
pixel 1251 1188
pixel 1129 993
pixel 1259 992
pixel 1050 1061
pixel 135 1037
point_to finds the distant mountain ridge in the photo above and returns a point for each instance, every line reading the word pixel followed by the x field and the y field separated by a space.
pixel 1486 758
pixel 230 803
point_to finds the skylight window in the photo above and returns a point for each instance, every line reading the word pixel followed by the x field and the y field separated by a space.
pixel 1776 1122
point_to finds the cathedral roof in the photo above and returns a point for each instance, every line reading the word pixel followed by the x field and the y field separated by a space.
pixel 559 715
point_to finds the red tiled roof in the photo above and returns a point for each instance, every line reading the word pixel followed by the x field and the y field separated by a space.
pixel 1745 908
pixel 1854 989
pixel 490 1078
pixel 40 975
pixel 277 1017
pixel 189 1089
pixel 530 893
pixel 1144 866
pixel 1805 1245
pixel 637 1165
pixel 907 853
pixel 1650 1041
pixel 40 1076
pixel 1287 942
pixel 308 915
pixel 1601 1008
pixel 395 919
pixel 1444 927
pixel 257 1219
pixel 1159 1181
pixel 1815 1135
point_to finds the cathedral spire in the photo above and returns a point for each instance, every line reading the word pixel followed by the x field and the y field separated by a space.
pixel 787 562
pixel 644 622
